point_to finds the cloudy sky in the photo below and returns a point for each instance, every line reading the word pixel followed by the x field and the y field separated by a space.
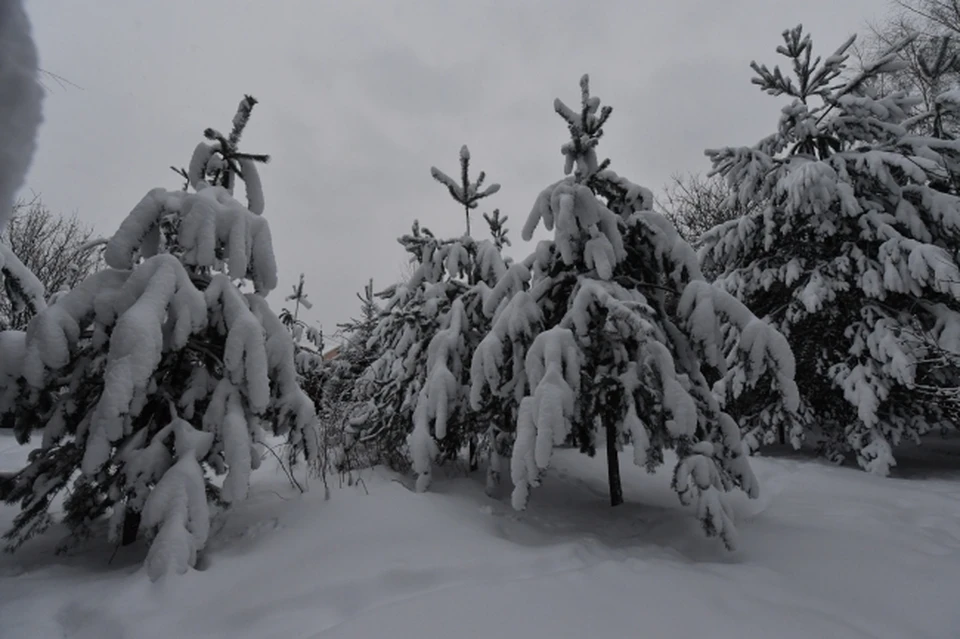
pixel 360 97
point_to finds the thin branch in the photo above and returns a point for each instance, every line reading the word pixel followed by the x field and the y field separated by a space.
pixel 293 480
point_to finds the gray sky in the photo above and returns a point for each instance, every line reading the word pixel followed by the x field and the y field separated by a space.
pixel 359 98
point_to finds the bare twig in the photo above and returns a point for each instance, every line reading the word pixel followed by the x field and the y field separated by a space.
pixel 293 480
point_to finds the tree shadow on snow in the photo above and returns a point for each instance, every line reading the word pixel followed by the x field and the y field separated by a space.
pixel 574 508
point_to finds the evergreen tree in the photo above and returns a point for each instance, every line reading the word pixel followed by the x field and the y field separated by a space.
pixel 307 344
pixel 609 330
pixel 429 329
pixel 157 370
pixel 466 193
pixel 852 255
pixel 345 409
pixel 355 353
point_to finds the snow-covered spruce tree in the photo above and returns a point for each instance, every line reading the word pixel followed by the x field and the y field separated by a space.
pixel 618 333
pixel 307 343
pixel 159 369
pixel 852 256
pixel 344 406
pixel 355 352
pixel 428 331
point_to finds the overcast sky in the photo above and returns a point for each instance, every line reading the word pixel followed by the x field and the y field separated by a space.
pixel 359 98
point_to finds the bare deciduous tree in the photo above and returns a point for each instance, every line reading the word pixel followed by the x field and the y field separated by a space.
pixel 695 204
pixel 54 247
pixel 932 59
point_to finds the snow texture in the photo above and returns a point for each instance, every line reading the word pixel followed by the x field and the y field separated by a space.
pixel 211 221
pixel 157 301
pixel 253 186
pixel 439 397
pixel 177 507
pixel 22 286
pixel 410 565
pixel 553 372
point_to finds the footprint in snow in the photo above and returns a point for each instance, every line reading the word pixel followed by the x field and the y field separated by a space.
pixel 261 527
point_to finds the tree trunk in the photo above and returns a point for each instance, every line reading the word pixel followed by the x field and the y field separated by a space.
pixel 6 484
pixel 472 454
pixel 613 466
pixel 131 524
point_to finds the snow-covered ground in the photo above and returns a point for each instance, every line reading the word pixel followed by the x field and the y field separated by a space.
pixel 825 552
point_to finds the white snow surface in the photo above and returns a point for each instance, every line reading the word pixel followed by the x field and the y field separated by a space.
pixel 825 552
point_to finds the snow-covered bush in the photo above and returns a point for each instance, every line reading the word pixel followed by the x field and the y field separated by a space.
pixel 852 255
pixel 308 343
pixel 158 368
pixel 610 328
pixel 428 331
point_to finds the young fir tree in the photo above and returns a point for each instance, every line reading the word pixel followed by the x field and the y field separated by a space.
pixel 852 255
pixel 307 344
pixel 158 370
pixel 429 328
pixel 345 409
pixel 609 330
pixel 355 353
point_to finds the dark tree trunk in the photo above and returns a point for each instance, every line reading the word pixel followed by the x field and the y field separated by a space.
pixel 131 524
pixel 6 484
pixel 474 462
pixel 613 466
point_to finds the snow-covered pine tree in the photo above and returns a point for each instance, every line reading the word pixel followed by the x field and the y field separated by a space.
pixel 345 408
pixel 427 334
pixel 307 343
pixel 158 369
pixel 617 333
pixel 391 382
pixel 466 193
pixel 852 256
pixel 355 352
